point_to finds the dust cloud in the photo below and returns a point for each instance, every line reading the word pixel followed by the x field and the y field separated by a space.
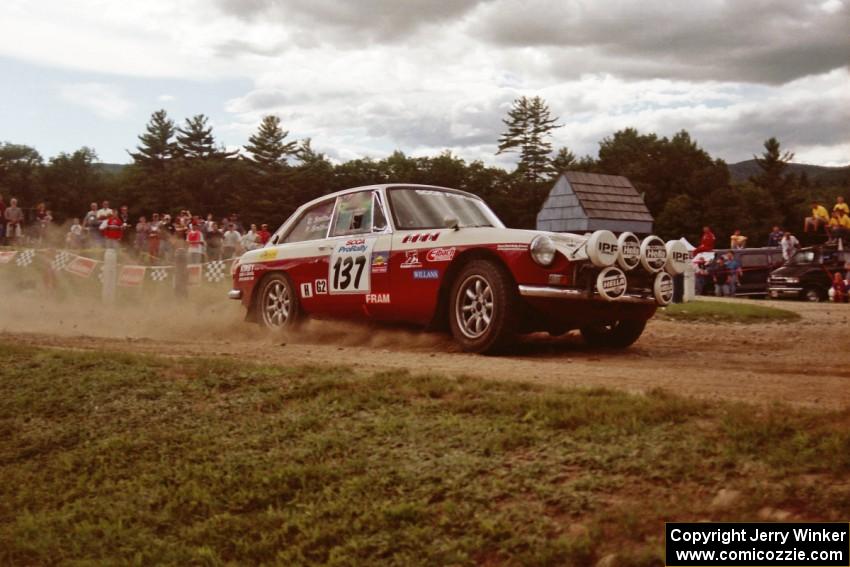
pixel 206 316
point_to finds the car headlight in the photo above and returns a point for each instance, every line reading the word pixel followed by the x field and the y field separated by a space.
pixel 543 250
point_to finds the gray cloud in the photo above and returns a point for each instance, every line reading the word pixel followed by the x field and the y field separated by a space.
pixel 352 22
pixel 754 41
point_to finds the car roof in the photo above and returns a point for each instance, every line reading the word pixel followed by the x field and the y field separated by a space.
pixel 384 186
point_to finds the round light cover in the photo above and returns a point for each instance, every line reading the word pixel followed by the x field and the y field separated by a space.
pixel 653 254
pixel 602 248
pixel 611 283
pixel 629 255
pixel 662 288
pixel 677 257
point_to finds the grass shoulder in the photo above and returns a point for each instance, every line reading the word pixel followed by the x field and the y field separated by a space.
pixel 726 312
pixel 115 458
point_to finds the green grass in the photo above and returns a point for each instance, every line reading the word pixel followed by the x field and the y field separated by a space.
pixel 723 312
pixel 112 458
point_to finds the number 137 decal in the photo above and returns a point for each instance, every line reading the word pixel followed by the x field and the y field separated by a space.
pixel 349 266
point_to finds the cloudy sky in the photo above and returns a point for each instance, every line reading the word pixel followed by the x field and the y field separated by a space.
pixel 365 77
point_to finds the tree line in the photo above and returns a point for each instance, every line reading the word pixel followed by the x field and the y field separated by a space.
pixel 181 166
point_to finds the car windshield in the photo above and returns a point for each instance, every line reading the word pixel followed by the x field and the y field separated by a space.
pixel 803 257
pixel 418 208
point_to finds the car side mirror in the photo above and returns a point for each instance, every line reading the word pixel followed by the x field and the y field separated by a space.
pixel 451 222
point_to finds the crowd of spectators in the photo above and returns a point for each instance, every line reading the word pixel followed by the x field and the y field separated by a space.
pixel 724 270
pixel 153 238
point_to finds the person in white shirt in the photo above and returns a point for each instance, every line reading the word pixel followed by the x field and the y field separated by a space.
pixel 232 240
pixel 104 212
pixel 789 244
pixel 250 240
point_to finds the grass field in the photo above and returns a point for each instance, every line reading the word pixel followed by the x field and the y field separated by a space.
pixel 112 458
pixel 726 312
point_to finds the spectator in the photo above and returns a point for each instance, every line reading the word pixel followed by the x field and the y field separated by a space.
pixel 112 230
pixel 104 212
pixel 840 205
pixel 701 275
pixel 74 238
pixel 43 218
pixel 839 225
pixel 2 220
pixel 264 234
pixel 249 240
pixel 775 236
pixel 214 239
pixel 790 245
pixel 180 229
pixel 195 244
pixel 234 220
pixel 14 217
pixel 819 218
pixel 91 226
pixel 720 276
pixel 839 288
pixel 142 230
pixel 737 240
pixel 733 268
pixel 126 226
pixel 166 236
pixel 232 240
pixel 153 236
pixel 706 243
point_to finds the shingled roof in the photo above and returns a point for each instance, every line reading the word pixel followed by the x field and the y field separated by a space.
pixel 589 201
pixel 608 196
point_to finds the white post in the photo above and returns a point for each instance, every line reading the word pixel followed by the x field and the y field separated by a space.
pixel 690 283
pixel 110 276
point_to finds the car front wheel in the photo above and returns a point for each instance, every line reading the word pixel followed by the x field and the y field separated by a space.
pixel 812 294
pixel 277 305
pixel 484 307
pixel 619 334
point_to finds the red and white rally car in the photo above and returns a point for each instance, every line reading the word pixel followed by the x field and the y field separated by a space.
pixel 441 258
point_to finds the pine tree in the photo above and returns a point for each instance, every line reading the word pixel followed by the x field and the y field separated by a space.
pixel 195 140
pixel 530 124
pixel 772 178
pixel 564 160
pixel 267 148
pixel 157 146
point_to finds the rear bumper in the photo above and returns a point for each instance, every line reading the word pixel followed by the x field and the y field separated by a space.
pixel 573 294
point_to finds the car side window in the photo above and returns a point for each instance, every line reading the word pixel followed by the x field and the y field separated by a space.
pixel 753 260
pixel 353 214
pixel 313 224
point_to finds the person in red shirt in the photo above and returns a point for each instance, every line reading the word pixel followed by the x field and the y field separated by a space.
pixel 264 234
pixel 195 243
pixel 706 243
pixel 112 230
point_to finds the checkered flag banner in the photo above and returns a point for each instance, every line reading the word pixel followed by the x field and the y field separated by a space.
pixel 158 273
pixel 61 261
pixel 216 270
pixel 25 258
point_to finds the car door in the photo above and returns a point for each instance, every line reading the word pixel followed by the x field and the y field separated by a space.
pixel 755 269
pixel 303 254
pixel 358 264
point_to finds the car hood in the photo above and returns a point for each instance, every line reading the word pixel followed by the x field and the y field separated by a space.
pixel 793 271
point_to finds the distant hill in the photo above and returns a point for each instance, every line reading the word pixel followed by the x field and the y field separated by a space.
pixel 743 170
pixel 111 168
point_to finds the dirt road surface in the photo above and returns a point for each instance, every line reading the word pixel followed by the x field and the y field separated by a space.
pixel 805 363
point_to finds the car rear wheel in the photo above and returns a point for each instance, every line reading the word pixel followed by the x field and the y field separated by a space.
pixel 484 307
pixel 619 334
pixel 277 305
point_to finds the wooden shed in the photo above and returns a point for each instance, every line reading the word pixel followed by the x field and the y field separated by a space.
pixel 583 202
